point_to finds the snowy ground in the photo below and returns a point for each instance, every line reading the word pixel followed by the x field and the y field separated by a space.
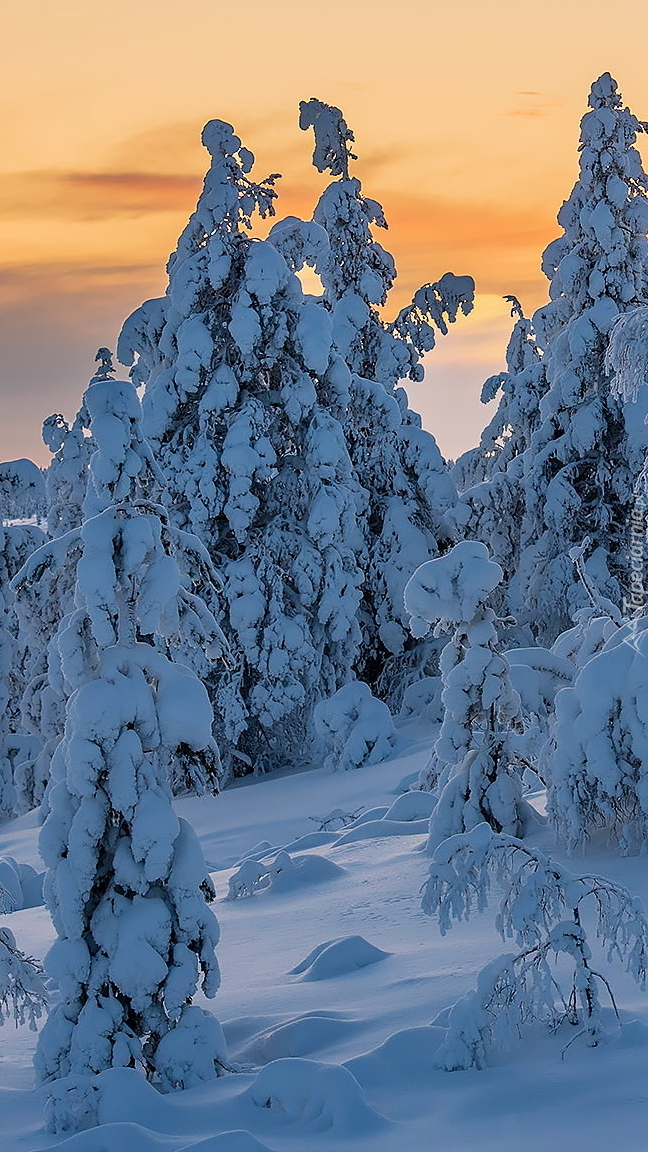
pixel 362 1071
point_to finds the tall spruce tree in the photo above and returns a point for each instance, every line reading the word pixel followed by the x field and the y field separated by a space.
pixel 405 486
pixel 126 883
pixel 244 401
pixel 490 477
pixel 584 459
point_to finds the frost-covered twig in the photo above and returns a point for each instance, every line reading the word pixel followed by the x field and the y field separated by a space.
pixel 337 817
pixel 22 991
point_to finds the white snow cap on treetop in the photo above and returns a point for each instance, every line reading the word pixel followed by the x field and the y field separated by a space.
pixel 332 136
pixel 451 587
pixel 220 139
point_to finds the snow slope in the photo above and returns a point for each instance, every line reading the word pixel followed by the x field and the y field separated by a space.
pixel 337 1048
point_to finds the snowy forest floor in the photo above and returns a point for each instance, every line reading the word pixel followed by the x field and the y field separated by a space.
pixel 374 1020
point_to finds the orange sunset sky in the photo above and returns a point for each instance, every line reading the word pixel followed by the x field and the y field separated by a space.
pixel 466 121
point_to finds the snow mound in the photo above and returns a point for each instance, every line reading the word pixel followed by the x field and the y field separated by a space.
pixel 299 1037
pixel 119 1097
pixel 284 874
pixel 21 886
pixel 371 814
pixel 412 806
pixel 125 1137
pixel 376 829
pixel 134 1138
pixel 408 1054
pixel 321 1097
pixel 337 957
pixel 235 1141
pixel 310 840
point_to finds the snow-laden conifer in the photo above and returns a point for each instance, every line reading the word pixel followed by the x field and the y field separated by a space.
pixel 67 474
pixel 519 390
pixel 472 767
pixel 126 882
pixel 22 494
pixel 490 477
pixel 407 492
pixel 7 656
pixel 243 402
pixel 584 459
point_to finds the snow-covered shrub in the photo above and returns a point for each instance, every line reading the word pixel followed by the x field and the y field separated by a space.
pixel 422 700
pixel 599 747
pixel 126 882
pixel 355 728
pixel 23 997
pixel 550 976
pixel 282 874
pixel 472 767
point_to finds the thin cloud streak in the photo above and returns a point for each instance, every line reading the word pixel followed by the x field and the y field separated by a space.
pixel 82 196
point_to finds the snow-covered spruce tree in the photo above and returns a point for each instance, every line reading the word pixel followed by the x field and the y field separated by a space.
pixel 406 489
pixel 472 763
pixel 520 389
pixel 22 494
pixel 67 474
pixel 584 459
pixel 7 655
pixel 490 477
pixel 551 976
pixel 45 592
pixel 593 625
pixel 243 403
pixel 126 882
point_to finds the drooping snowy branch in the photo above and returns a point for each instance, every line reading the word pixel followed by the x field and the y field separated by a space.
pixel 541 908
pixel 23 997
pixel 626 358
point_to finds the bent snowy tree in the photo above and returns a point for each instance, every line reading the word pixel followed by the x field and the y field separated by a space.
pixel 405 490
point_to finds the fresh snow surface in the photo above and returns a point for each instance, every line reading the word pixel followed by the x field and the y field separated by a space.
pixel 333 998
